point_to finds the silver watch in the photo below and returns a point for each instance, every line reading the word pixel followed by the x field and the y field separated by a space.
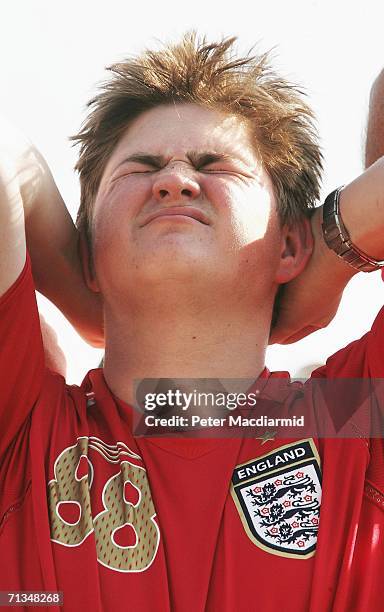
pixel 337 237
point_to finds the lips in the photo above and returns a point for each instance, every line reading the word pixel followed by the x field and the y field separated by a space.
pixel 185 211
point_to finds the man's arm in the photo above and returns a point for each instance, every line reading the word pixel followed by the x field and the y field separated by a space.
pixel 29 198
pixel 311 300
pixel 12 234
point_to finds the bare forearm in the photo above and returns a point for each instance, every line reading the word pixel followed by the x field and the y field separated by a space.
pixel 362 200
pixel 12 234
pixel 51 234
pixel 311 300
pixel 30 203
pixel 33 212
pixel 53 243
pixel 362 209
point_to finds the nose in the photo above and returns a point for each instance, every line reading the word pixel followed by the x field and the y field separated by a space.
pixel 175 184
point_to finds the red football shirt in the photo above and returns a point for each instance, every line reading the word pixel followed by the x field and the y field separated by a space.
pixel 123 523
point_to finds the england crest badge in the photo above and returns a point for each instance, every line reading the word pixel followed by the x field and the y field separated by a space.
pixel 278 498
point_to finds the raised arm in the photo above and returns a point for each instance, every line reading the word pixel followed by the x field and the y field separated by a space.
pixel 29 199
pixel 311 301
pixel 12 235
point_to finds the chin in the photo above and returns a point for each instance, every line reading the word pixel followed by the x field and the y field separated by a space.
pixel 167 266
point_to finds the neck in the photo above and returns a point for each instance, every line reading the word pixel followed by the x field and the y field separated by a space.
pixel 186 340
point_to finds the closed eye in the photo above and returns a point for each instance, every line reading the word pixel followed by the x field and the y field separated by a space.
pixel 139 169
pixel 223 168
pixel 131 168
pixel 213 168
pixel 215 163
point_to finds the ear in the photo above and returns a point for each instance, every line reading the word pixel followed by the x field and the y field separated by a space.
pixel 296 250
pixel 87 264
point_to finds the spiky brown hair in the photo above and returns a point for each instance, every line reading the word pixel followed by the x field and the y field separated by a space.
pixel 211 75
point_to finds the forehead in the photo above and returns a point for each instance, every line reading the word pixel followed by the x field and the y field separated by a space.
pixel 172 130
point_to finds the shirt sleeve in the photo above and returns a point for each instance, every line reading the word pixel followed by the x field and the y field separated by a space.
pixel 364 359
pixel 21 356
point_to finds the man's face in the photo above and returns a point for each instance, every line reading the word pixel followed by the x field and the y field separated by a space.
pixel 184 198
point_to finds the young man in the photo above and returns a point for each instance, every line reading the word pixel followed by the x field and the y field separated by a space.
pixel 197 172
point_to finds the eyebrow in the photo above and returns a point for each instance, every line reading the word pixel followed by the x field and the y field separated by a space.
pixel 197 159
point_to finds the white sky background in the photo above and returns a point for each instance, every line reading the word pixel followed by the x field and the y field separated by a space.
pixel 52 54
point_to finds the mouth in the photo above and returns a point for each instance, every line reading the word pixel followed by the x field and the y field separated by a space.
pixel 178 212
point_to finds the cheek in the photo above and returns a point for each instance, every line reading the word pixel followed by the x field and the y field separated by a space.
pixel 110 228
pixel 111 250
pixel 253 233
pixel 115 211
pixel 105 239
pixel 251 214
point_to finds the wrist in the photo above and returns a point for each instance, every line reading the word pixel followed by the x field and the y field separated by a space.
pixel 331 268
pixel 362 210
pixel 338 240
